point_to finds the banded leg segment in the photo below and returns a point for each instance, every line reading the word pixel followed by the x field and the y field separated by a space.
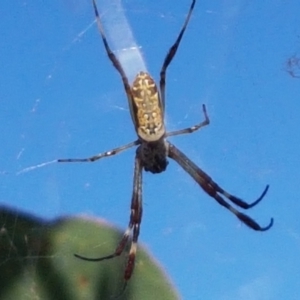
pixel 192 128
pixel 213 189
pixel 135 216
pixel 172 51
pixel 100 155
pixel 133 226
pixel 116 63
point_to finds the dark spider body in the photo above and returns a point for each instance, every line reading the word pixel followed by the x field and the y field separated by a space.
pixel 147 105
pixel 153 156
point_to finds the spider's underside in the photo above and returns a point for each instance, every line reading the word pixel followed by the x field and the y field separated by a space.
pixel 147 105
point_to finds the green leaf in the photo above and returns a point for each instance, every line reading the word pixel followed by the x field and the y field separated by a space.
pixel 37 261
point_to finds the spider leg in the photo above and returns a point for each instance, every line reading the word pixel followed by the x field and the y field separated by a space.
pixel 212 189
pixel 110 53
pixel 120 248
pixel 237 201
pixel 100 155
pixel 134 225
pixel 171 54
pixel 135 216
pixel 193 128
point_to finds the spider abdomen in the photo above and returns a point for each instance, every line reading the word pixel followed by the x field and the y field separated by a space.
pixel 148 110
pixel 153 156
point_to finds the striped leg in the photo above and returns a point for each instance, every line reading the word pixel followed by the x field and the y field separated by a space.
pixel 134 226
pixel 213 190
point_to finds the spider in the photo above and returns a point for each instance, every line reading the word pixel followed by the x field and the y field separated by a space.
pixel 147 108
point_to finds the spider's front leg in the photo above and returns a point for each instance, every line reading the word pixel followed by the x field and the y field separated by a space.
pixel 134 226
pixel 135 216
pixel 214 190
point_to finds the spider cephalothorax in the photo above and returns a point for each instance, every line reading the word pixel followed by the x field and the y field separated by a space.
pixel 153 156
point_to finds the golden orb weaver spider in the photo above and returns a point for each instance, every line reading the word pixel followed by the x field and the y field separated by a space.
pixel 147 106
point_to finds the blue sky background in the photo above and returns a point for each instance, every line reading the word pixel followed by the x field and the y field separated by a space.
pixel 60 97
